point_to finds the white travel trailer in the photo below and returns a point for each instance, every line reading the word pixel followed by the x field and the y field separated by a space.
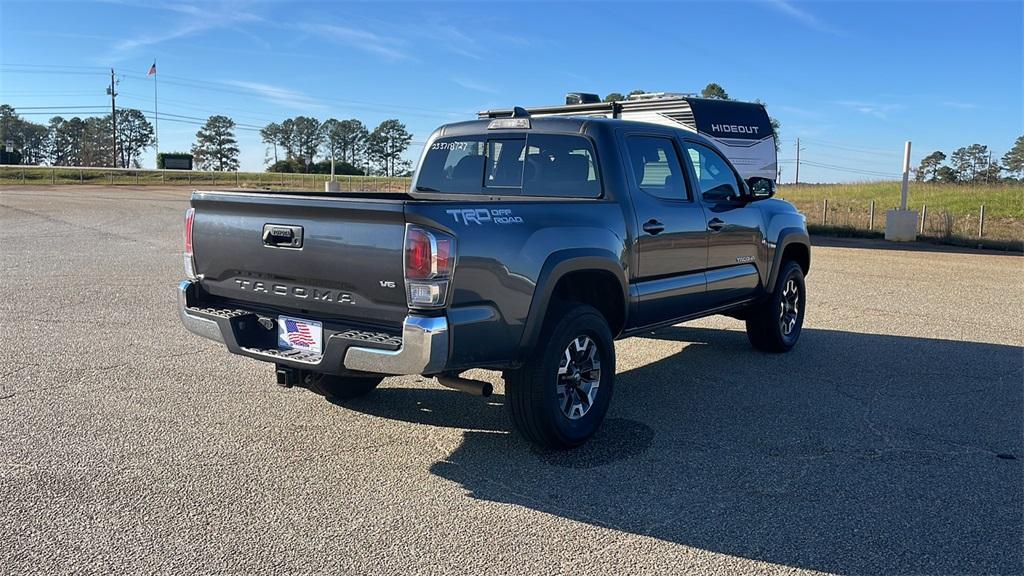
pixel 742 130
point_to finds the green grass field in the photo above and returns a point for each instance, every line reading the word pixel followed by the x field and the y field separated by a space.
pixel 950 211
pixel 1000 200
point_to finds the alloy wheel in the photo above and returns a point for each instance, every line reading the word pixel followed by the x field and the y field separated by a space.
pixel 579 377
pixel 789 307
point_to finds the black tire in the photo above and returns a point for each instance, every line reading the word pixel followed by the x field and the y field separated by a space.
pixel 340 387
pixel 767 322
pixel 537 408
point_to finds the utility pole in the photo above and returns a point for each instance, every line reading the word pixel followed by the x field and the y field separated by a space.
pixel 797 180
pixel 113 113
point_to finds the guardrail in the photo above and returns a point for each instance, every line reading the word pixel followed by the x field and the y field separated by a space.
pixel 12 174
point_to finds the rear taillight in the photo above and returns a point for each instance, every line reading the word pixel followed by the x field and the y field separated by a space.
pixel 190 264
pixel 429 263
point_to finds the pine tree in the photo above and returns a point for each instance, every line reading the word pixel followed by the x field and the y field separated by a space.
pixel 216 147
pixel 386 144
pixel 1013 161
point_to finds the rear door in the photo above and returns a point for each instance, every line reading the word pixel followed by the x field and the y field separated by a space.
pixel 671 229
pixel 735 228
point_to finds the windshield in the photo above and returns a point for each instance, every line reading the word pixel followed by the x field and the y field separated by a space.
pixel 511 164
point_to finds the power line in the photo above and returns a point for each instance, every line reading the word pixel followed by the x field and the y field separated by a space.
pixel 879 151
pixel 851 170
pixel 102 69
pixel 20 108
pixel 64 110
pixel 52 72
pixel 228 88
pixel 184 104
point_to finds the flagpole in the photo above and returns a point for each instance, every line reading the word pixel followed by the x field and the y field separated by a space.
pixel 156 111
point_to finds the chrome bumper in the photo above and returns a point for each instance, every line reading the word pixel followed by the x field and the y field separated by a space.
pixel 424 348
pixel 202 326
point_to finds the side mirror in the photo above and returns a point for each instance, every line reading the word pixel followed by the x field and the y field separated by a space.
pixel 761 188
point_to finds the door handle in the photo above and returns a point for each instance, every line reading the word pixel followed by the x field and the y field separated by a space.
pixel 652 226
pixel 716 225
pixel 282 236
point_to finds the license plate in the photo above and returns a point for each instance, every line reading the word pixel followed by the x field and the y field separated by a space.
pixel 299 334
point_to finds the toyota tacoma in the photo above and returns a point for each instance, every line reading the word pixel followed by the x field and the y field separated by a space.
pixel 525 245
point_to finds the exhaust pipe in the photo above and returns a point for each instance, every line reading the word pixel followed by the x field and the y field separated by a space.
pixel 472 387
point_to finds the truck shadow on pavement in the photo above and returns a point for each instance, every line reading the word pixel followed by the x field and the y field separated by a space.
pixel 855 453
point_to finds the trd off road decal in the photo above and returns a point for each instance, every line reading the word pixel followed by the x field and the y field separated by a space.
pixel 481 216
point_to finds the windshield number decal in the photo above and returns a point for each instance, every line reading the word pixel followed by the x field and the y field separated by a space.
pixel 451 145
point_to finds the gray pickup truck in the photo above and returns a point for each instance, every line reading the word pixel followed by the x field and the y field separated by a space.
pixel 525 245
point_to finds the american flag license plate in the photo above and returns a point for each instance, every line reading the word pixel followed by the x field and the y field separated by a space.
pixel 298 334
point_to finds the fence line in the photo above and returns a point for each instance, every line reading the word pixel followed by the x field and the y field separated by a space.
pixel 144 176
pixel 861 215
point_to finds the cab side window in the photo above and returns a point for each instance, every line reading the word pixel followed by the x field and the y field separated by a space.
pixel 656 167
pixel 715 178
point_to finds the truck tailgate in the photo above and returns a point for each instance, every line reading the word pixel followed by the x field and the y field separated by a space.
pixel 349 265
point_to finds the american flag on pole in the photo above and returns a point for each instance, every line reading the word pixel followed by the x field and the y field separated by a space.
pixel 298 334
pixel 152 69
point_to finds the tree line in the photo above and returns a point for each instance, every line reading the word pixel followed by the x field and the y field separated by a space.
pixel 76 141
pixel 971 165
pixel 295 144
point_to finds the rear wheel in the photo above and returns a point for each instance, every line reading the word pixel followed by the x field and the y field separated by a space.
pixel 559 397
pixel 340 387
pixel 775 325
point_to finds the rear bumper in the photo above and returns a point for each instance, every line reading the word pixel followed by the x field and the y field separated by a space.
pixel 422 347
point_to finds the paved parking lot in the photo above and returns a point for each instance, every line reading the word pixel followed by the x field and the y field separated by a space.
pixel 889 441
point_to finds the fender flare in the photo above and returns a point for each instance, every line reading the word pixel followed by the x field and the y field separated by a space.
pixel 787 236
pixel 554 269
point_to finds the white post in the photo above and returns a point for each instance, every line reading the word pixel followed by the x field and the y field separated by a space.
pixel 906 176
pixel 332 185
pixel 901 225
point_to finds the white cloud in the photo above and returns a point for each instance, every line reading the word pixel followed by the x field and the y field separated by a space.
pixel 473 85
pixel 875 109
pixel 802 16
pixel 389 47
pixel 277 95
pixel 960 105
pixel 191 20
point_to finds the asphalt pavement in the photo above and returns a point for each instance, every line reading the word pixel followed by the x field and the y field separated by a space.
pixel 890 441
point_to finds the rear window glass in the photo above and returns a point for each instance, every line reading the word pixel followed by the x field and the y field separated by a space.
pixel 504 167
pixel 453 165
pixel 560 166
pixel 538 165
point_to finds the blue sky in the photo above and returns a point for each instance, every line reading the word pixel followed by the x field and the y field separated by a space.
pixel 852 80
